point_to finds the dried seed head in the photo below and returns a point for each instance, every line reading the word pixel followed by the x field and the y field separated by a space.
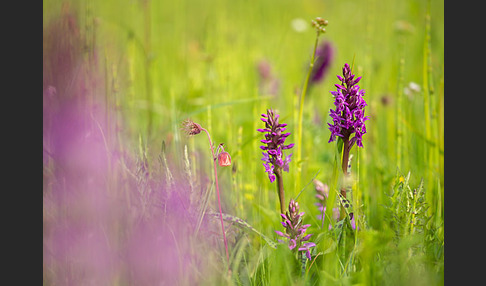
pixel 191 128
pixel 323 22
pixel 319 24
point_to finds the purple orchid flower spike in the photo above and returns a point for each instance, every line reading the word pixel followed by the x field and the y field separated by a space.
pixel 295 231
pixel 274 144
pixel 274 160
pixel 348 116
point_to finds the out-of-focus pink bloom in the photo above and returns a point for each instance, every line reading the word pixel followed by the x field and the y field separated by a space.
pixel 224 159
pixel 268 82
pixel 323 59
pixel 106 219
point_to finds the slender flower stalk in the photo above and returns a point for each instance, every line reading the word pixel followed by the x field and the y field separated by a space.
pixel 319 24
pixel 191 128
pixel 273 156
pixel 348 117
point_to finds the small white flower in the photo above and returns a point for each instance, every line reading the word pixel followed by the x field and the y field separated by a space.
pixel 414 86
pixel 411 89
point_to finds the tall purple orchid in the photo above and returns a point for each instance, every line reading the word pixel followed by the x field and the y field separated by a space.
pixel 274 160
pixel 348 117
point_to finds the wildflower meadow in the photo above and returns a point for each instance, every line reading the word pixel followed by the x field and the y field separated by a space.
pixel 243 142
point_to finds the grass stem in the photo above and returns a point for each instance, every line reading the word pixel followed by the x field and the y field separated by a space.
pixel 301 111
pixel 217 193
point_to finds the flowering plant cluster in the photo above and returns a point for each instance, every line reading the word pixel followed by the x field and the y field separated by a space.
pixel 192 128
pixel 294 230
pixel 348 117
pixel 274 144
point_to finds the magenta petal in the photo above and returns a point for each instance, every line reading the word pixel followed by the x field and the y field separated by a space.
pixel 289 224
pixel 272 178
pixel 339 86
pixel 306 237
pixel 307 253
pixel 280 233
pixel 292 244
pixel 289 146
pixel 310 244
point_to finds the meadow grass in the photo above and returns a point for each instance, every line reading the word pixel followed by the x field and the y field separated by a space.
pixel 134 70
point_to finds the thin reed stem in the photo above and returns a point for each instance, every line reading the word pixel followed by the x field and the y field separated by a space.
pixel 301 111
pixel 217 192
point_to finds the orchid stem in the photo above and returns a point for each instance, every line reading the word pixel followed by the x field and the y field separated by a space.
pixel 280 190
pixel 344 167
